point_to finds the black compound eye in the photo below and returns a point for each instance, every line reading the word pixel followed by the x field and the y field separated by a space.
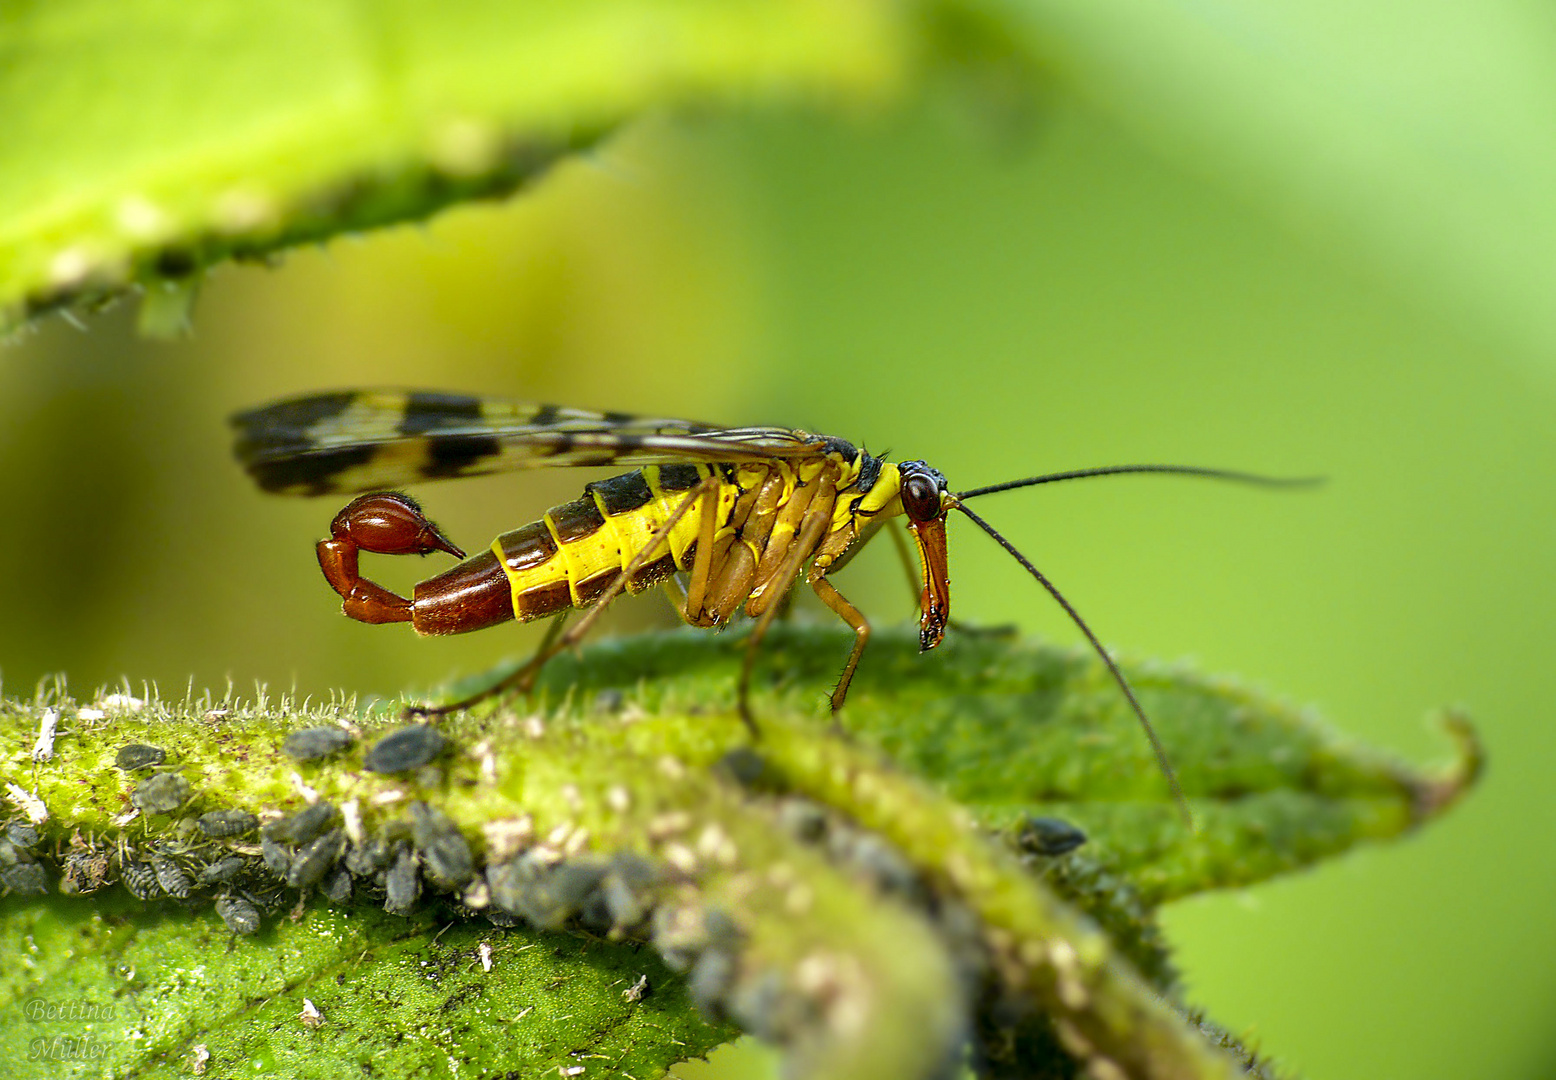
pixel 920 497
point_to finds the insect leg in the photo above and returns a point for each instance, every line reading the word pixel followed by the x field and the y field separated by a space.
pixel 508 682
pixel 752 518
pixel 817 518
pixel 702 561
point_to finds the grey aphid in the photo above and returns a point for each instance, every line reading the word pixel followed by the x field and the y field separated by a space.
pixel 544 896
pixel 240 916
pixel 682 934
pixel 747 768
pixel 369 858
pixel 679 934
pixel 403 885
pixel 276 857
pixel 337 886
pixel 140 879
pixel 227 823
pixel 24 879
pixel 136 755
pixel 410 747
pixel 802 819
pixel 629 889
pixel 170 876
pixel 684 938
pixel 1047 836
pixel 878 862
pixel 161 794
pixel 222 870
pixel 10 856
pixel 710 980
pixel 313 743
pixel 443 846
pixel 314 859
pixel 22 835
pixel 305 825
pixel 722 931
pixel 767 1008
pixel 507 882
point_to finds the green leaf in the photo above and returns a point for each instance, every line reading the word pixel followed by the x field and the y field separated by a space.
pixel 816 892
pixel 146 140
pixel 1012 728
pixel 111 987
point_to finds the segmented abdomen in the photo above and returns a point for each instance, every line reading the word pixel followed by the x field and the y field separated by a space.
pixel 577 550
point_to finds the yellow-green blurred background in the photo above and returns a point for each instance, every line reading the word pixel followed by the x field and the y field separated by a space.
pixel 999 299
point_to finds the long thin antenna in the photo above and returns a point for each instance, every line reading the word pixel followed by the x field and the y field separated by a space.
pixel 1118 676
pixel 1116 470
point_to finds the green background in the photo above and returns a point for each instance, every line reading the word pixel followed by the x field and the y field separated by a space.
pixel 1000 294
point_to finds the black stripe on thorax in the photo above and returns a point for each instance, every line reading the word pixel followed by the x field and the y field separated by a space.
pixel 622 494
pixel 831 444
pixel 869 473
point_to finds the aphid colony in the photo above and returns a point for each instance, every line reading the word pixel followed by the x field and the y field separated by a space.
pixel 215 854
pixel 247 868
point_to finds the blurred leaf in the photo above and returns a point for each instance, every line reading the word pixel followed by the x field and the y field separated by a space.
pixel 144 144
pixel 819 895
pixel 147 140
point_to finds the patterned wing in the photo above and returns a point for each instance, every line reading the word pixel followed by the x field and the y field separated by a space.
pixel 363 440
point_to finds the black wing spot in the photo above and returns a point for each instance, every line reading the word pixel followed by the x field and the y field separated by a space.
pixel 426 412
pixel 315 473
pixel 452 455
pixel 283 427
